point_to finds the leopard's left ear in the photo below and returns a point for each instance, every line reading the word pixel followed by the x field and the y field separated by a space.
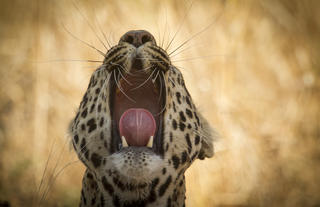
pixel 208 136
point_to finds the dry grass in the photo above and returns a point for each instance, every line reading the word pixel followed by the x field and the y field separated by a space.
pixel 254 74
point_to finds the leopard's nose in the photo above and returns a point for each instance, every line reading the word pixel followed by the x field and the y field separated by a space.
pixel 137 37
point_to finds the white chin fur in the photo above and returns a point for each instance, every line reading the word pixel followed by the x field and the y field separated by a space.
pixel 137 165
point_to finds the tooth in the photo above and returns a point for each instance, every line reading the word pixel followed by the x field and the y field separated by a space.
pixel 150 143
pixel 124 142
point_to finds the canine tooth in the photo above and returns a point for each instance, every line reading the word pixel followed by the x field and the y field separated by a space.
pixel 124 142
pixel 150 143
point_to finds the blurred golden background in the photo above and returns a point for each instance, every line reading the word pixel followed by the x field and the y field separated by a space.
pixel 253 73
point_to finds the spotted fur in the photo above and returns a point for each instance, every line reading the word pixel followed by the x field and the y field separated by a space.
pixel 138 176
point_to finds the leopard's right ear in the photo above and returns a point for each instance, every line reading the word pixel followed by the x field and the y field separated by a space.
pixel 208 137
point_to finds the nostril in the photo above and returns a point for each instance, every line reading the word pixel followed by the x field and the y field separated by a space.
pixel 128 39
pixel 137 38
pixel 145 38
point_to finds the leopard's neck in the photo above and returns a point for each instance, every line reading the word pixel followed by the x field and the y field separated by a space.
pixel 166 191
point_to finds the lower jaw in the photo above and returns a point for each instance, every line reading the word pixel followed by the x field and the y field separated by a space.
pixel 135 164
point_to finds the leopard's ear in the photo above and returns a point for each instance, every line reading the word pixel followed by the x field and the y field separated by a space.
pixel 208 137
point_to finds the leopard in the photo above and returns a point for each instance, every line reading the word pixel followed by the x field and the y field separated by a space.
pixel 137 129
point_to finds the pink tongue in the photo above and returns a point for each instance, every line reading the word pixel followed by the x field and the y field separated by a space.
pixel 137 125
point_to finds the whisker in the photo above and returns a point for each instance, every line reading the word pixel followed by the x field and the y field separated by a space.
pixel 171 81
pixel 99 51
pixel 158 34
pixel 91 27
pixel 121 67
pixel 199 133
pixel 45 168
pixel 103 34
pixel 196 34
pixel 145 69
pixel 152 60
pixel 183 20
pixel 82 151
pixel 160 94
pixel 55 178
pixel 124 77
pixel 154 79
pixel 174 68
pixel 165 105
pixel 185 49
pixel 69 60
pixel 192 46
pixel 144 81
pixel 52 175
pixel 196 58
pixel 165 29
pixel 115 79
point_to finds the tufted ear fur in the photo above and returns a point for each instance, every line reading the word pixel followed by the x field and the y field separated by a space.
pixel 208 136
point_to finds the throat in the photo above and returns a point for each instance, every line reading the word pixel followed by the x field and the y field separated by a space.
pixel 136 91
pixel 160 192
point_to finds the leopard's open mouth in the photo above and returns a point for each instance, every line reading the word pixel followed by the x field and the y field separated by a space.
pixel 137 101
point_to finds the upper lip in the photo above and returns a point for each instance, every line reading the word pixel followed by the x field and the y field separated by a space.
pixel 144 97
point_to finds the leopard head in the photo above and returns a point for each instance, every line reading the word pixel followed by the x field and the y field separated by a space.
pixel 137 129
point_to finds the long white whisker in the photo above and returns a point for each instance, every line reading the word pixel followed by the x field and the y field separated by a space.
pixel 165 105
pixel 51 178
pixel 150 59
pixel 55 176
pixel 103 34
pixel 197 45
pixel 121 67
pixel 160 94
pixel 99 51
pixel 124 77
pixel 69 60
pixel 154 79
pixel 199 133
pixel 144 81
pixel 196 34
pixel 115 79
pixel 185 49
pixel 196 58
pixel 45 168
pixel 171 81
pixel 91 27
pixel 146 69
pixel 165 29
pixel 183 20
